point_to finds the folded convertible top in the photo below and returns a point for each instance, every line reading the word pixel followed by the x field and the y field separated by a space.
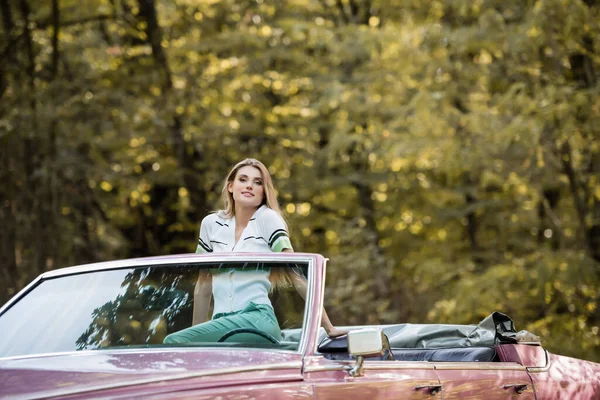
pixel 496 328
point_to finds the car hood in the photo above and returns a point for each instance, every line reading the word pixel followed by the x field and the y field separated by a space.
pixel 91 373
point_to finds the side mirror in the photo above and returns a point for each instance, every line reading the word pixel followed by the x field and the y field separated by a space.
pixel 368 342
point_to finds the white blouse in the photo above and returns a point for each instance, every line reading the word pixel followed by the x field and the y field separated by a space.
pixel 234 289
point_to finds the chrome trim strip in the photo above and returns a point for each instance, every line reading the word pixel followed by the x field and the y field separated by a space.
pixel 400 365
pixel 545 368
pixel 490 366
pixel 326 368
pixel 65 392
pixel 149 350
pixel 385 365
pixel 537 370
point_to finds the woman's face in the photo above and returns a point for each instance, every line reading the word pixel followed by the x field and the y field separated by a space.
pixel 247 187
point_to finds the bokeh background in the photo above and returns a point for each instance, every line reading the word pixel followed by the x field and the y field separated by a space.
pixel 444 154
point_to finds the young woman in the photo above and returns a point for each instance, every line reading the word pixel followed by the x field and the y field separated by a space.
pixel 251 221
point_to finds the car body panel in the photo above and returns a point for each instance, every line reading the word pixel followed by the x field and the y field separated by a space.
pixel 263 391
pixel 555 376
pixel 381 379
pixel 526 355
pixel 489 380
pixel 566 378
pixel 91 371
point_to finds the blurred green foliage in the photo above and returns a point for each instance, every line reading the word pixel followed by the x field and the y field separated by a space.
pixel 444 155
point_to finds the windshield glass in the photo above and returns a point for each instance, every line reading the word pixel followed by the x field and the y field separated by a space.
pixel 242 304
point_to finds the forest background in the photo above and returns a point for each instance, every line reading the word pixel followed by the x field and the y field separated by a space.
pixel 444 155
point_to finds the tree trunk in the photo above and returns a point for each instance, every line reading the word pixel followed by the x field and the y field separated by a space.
pixel 8 24
pixel 8 238
pixel 582 67
pixel 186 154
pixel 32 158
pixel 365 198
pixel 578 202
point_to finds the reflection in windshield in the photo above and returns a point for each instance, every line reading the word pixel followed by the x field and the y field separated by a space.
pixel 151 298
pixel 136 307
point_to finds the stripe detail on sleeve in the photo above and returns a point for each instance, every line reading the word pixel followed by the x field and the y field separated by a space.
pixel 279 240
pixel 203 247
pixel 276 235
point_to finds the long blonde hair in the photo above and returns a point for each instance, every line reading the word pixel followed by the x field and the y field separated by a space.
pixel 278 277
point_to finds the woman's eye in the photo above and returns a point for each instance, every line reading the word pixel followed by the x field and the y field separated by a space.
pixel 259 183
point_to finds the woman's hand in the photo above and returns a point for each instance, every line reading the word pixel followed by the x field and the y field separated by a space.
pixel 335 332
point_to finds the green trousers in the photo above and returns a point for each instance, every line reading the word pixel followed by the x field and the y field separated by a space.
pixel 257 316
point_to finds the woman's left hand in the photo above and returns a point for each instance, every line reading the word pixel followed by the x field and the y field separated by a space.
pixel 335 332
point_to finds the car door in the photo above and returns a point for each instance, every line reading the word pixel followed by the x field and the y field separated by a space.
pixel 380 380
pixel 484 380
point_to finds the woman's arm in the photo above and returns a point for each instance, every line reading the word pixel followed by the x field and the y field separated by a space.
pixel 202 294
pixel 299 283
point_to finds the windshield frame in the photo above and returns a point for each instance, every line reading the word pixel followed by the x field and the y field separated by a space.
pixel 304 258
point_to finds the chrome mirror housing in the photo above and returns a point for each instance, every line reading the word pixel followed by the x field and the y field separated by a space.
pixel 368 342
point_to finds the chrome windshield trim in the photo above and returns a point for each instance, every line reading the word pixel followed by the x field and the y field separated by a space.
pixel 178 259
pixel 20 294
pixel 315 349
pixel 308 306
pixel 224 371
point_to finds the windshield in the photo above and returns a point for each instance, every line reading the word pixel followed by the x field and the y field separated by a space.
pixel 243 304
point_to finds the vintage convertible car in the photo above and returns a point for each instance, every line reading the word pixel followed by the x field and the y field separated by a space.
pixel 97 331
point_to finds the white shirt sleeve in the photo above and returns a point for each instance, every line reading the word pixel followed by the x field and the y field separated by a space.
pixel 204 245
pixel 274 230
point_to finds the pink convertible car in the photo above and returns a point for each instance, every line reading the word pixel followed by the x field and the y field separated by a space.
pixel 97 331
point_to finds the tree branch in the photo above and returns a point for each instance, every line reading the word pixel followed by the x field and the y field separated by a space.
pixel 44 24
